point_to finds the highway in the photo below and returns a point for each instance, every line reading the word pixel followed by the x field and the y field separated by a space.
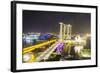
pixel 31 48
pixel 45 55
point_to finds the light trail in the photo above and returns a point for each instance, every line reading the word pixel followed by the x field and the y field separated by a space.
pixel 31 48
pixel 48 52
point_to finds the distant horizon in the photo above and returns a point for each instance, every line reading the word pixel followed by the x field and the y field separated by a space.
pixel 58 33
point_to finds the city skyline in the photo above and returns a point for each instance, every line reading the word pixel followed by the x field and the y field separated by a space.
pixel 47 21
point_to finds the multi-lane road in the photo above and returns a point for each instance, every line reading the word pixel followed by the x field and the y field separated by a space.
pixel 31 48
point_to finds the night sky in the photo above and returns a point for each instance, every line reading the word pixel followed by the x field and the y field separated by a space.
pixel 47 21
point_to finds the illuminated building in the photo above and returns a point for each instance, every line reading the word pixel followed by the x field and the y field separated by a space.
pixel 65 31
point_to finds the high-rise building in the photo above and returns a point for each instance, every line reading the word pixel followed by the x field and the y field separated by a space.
pixel 69 31
pixel 65 31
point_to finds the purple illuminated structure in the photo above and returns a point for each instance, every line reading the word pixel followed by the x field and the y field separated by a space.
pixel 60 48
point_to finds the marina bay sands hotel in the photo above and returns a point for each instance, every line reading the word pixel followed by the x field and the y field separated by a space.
pixel 65 31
